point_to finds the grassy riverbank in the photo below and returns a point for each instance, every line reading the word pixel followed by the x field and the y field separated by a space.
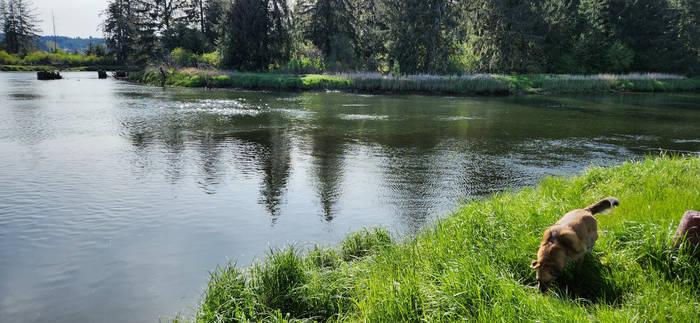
pixel 479 84
pixel 474 263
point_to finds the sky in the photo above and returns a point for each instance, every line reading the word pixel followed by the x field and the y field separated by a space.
pixel 74 18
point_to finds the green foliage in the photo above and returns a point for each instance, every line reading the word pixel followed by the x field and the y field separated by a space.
pixel 18 25
pixel 329 25
pixel 181 35
pixel 58 59
pixel 306 58
pixel 619 56
pixel 255 36
pixel 473 265
pixel 413 37
pixel 305 65
pixel 212 59
pixel 22 68
pixel 180 57
pixel 422 34
pixel 183 58
pixel 8 59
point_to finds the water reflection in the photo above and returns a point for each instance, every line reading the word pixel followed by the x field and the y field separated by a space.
pixel 427 146
pixel 328 151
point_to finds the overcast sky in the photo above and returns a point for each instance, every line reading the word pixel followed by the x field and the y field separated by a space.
pixel 74 18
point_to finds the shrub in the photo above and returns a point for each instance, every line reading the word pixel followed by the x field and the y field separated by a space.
pixel 306 59
pixel 183 58
pixel 8 59
pixel 212 59
pixel 305 65
pixel 620 57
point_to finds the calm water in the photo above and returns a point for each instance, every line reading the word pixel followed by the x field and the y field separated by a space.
pixel 117 199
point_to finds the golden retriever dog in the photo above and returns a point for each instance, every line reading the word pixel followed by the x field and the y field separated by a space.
pixel 568 240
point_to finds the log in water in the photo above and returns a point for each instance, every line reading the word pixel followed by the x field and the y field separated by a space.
pixel 48 75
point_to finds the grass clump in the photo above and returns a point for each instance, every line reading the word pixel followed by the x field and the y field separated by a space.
pixel 474 263
pixel 289 284
pixel 360 244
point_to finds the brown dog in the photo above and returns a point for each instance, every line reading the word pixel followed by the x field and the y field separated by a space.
pixel 567 240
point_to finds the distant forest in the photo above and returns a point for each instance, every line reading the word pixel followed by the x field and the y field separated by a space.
pixel 397 36
pixel 68 44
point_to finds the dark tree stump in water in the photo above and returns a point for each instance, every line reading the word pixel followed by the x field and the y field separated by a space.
pixel 48 75
pixel 689 227
pixel 101 74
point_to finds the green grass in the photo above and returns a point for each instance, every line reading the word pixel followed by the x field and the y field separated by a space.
pixel 474 263
pixel 480 84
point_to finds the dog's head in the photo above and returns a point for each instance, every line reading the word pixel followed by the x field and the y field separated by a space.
pixel 546 273
pixel 550 262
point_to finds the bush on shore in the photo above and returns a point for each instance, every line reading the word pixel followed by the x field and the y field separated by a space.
pixel 474 263
pixel 184 58
pixel 61 59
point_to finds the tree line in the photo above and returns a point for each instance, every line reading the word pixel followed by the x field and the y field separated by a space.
pixel 399 36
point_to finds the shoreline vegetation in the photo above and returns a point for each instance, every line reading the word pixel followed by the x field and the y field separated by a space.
pixel 474 263
pixel 59 61
pixel 49 68
pixel 471 84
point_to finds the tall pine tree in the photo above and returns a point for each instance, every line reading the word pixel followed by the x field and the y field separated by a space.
pixel 19 25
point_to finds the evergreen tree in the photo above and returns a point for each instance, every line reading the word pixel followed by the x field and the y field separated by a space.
pixel 213 11
pixel 119 29
pixel 686 19
pixel 371 35
pixel 557 29
pixel 168 12
pixel 329 24
pixel 596 47
pixel 130 30
pixel 19 25
pixel 643 26
pixel 507 35
pixel 255 34
pixel 422 34
pixel 206 16
pixel 145 25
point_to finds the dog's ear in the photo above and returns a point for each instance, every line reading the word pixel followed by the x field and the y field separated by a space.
pixel 535 264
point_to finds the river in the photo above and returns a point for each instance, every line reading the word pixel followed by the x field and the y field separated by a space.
pixel 116 199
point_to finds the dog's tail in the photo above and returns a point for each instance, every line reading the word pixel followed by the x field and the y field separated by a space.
pixel 602 205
